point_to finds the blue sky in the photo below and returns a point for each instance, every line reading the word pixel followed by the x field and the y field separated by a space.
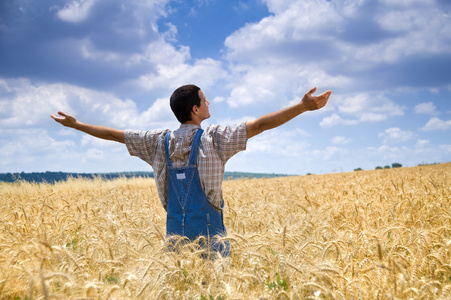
pixel 115 63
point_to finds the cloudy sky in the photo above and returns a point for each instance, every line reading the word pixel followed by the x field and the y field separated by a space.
pixel 115 63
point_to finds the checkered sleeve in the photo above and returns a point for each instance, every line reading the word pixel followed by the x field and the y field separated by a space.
pixel 144 143
pixel 228 139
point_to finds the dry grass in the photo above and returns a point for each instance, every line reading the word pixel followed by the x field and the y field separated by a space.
pixel 379 234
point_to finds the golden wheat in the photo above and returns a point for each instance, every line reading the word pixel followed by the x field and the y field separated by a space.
pixel 379 234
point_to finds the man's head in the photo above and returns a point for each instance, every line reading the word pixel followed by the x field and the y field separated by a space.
pixel 187 100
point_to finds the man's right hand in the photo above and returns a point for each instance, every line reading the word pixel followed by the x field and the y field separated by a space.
pixel 65 119
pixel 310 102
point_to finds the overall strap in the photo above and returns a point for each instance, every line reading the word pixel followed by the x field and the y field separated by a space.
pixel 195 148
pixel 166 146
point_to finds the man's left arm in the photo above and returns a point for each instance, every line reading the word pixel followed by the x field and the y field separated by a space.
pixel 275 119
pixel 101 132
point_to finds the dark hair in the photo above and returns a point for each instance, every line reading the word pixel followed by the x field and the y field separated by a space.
pixel 182 101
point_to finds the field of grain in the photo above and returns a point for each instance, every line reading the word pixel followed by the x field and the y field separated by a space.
pixel 382 234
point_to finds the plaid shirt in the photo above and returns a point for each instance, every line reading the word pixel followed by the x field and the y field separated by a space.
pixel 218 144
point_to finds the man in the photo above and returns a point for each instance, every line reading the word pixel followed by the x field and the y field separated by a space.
pixel 189 162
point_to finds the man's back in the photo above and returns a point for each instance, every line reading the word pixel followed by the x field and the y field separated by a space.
pixel 218 144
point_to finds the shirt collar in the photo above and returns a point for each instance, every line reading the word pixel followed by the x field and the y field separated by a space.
pixel 187 127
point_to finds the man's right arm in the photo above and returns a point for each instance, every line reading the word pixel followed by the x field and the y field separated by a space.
pixel 101 132
pixel 275 119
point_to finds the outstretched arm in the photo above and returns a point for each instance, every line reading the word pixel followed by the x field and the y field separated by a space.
pixel 275 119
pixel 102 132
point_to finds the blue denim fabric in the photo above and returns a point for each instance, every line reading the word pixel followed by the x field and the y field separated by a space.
pixel 189 213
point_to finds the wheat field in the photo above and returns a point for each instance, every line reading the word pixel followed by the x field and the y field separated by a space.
pixel 381 234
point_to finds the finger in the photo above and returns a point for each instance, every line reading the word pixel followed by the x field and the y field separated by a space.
pixel 327 94
pixel 312 91
pixel 62 114
pixel 56 119
pixel 324 97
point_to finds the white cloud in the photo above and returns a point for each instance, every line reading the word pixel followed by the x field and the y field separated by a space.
pixel 422 143
pixel 363 107
pixel 369 106
pixel 277 53
pixel 28 145
pixel 90 52
pixel 158 115
pixel 76 11
pixel 302 132
pixel 311 76
pixel 278 6
pixel 436 124
pixel 390 153
pixel 427 108
pixel 341 140
pixel 93 154
pixel 278 141
pixel 372 117
pixel 256 87
pixel 335 119
pixel 423 152
pixel 445 148
pixel 230 121
pixel 142 12
pixel 292 20
pixel 35 149
pixel 67 132
pixel 407 3
pixel 206 72
pixel 125 41
pixel 169 64
pixel 272 59
pixel 354 104
pixel 257 84
pixel 88 140
pixel 161 53
pixel 28 104
pixel 301 24
pixel 416 24
pixel 31 104
pixel 218 99
pixel 404 20
pixel 330 152
pixel 395 135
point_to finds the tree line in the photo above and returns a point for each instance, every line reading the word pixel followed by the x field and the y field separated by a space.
pixel 52 177
pixel 393 165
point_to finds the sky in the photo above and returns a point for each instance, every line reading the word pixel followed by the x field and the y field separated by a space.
pixel 115 63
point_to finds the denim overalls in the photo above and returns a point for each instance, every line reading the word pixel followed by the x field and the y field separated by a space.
pixel 189 213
